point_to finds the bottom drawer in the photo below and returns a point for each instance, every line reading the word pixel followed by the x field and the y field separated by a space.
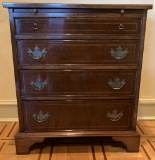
pixel 77 115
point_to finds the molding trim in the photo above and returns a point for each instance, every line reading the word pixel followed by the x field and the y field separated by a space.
pixel 146 118
pixel 8 102
pixel 8 119
pixel 146 101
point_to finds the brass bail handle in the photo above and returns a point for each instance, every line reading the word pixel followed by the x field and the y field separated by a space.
pixel 121 26
pixel 35 26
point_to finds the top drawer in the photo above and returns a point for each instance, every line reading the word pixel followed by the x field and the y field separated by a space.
pixel 75 26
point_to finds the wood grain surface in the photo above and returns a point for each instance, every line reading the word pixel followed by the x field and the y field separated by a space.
pixel 79 148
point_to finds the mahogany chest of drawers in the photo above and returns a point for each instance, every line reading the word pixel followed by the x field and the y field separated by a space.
pixel 77 70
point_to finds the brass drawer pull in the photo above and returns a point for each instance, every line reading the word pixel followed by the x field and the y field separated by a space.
pixel 114 116
pixel 118 53
pixel 37 54
pixel 40 116
pixel 38 84
pixel 121 26
pixel 122 11
pixel 117 83
pixel 35 26
pixel 35 11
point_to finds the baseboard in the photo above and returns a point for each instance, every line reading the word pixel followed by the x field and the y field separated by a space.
pixel 8 103
pixel 146 109
pixel 147 101
pixel 8 119
pixel 8 110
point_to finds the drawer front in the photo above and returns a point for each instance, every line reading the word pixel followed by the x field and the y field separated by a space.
pixel 77 52
pixel 76 115
pixel 78 82
pixel 78 26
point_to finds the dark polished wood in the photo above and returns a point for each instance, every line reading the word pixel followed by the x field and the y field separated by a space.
pixel 100 13
pixel 78 37
pixel 77 51
pixel 23 144
pixel 78 115
pixel 77 26
pixel 60 6
pixel 131 139
pixel 77 70
pixel 131 142
pixel 77 82
pixel 72 11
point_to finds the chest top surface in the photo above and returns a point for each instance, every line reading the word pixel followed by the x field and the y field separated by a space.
pixel 83 4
